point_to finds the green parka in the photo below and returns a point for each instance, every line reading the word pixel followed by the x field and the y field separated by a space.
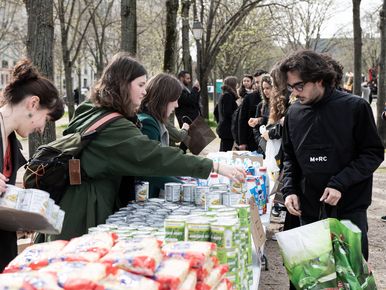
pixel 118 150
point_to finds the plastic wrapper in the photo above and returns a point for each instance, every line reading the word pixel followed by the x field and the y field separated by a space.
pixel 197 252
pixel 12 197
pixel 36 201
pixel 36 256
pixel 204 271
pixel 29 210
pixel 225 284
pixel 190 282
pixel 141 256
pixel 172 272
pixel 28 281
pixel 77 275
pixel 213 279
pixel 89 247
pixel 128 281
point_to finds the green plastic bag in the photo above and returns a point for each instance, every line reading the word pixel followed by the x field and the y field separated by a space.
pixel 308 256
pixel 325 254
pixel 351 268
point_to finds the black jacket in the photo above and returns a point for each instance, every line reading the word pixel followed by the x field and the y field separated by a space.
pixel 188 105
pixel 332 143
pixel 225 108
pixel 8 245
pixel 248 110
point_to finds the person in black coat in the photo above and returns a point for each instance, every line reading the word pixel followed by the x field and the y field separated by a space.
pixel 246 140
pixel 189 102
pixel 224 111
pixel 29 101
pixel 331 145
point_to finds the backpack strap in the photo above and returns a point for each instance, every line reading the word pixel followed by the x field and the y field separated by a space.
pixel 101 123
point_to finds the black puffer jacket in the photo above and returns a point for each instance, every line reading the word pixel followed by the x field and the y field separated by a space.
pixel 332 143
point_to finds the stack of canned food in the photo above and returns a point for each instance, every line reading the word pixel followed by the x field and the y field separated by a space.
pixel 228 227
pixel 214 211
pixel 222 194
pixel 206 193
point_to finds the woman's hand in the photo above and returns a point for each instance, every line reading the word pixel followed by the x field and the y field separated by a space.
pixel 265 135
pixel 3 184
pixel 185 126
pixel 252 122
pixel 234 173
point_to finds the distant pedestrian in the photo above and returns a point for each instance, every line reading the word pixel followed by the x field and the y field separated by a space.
pixel 76 96
pixel 248 107
pixel 224 112
pixel 189 101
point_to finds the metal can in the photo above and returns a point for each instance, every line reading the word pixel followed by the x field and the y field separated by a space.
pixel 219 186
pixel 230 199
pixel 175 229
pixel 173 191
pixel 243 211
pixel 223 233
pixel 216 207
pixel 199 195
pixel 237 187
pixel 198 229
pixel 141 191
pixel 188 192
pixel 213 198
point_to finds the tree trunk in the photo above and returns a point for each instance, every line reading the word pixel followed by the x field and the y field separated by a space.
pixel 381 100
pixel 69 87
pixel 186 58
pixel 129 26
pixel 357 48
pixel 170 53
pixel 214 37
pixel 204 95
pixel 40 40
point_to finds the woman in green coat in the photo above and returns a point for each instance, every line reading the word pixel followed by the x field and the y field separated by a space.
pixel 120 149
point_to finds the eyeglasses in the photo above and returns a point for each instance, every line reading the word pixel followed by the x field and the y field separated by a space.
pixel 299 86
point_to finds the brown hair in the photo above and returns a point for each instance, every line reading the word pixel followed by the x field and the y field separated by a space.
pixel 337 67
pixel 112 89
pixel 230 84
pixel 311 66
pixel 265 78
pixel 27 81
pixel 277 107
pixel 278 101
pixel 160 91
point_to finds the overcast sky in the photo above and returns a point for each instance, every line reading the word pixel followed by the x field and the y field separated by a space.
pixel 343 15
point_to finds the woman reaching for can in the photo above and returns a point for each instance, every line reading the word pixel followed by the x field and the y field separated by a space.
pixel 120 149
